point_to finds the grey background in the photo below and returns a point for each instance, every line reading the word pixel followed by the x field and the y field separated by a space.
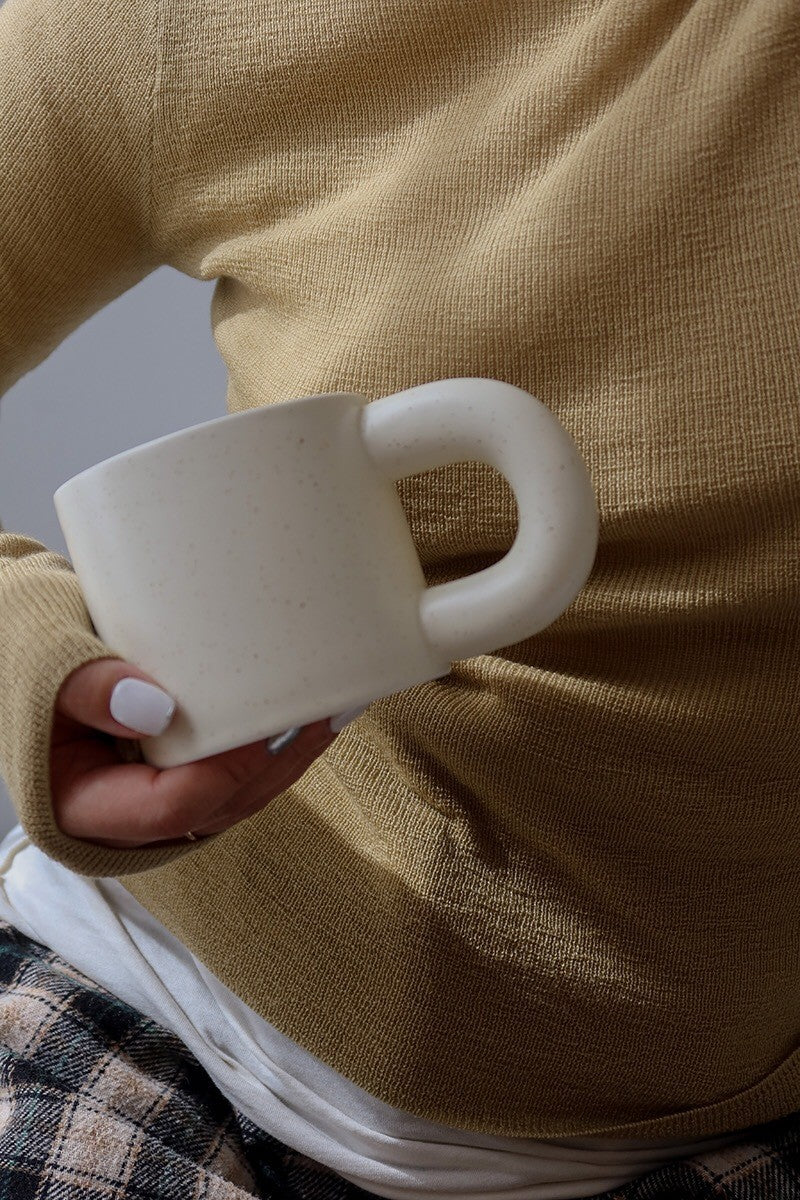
pixel 143 366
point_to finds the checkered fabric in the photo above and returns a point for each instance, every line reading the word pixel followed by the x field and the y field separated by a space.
pixel 98 1102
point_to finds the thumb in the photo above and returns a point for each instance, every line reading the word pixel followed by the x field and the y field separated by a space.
pixel 115 697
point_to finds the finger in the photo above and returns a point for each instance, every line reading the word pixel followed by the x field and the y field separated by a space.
pixel 135 804
pixel 248 777
pixel 116 697
pixel 265 786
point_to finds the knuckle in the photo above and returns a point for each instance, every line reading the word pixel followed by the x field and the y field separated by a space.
pixel 83 693
pixel 167 828
pixel 239 769
pixel 167 819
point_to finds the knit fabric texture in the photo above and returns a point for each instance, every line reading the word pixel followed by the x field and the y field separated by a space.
pixel 554 893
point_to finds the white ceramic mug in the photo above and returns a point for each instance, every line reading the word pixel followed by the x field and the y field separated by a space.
pixel 261 569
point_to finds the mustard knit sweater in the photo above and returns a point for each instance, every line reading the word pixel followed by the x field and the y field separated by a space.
pixel 558 892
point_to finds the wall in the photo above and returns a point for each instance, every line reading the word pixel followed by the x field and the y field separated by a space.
pixel 144 366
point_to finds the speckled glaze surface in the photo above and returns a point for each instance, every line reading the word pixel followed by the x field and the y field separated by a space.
pixel 261 569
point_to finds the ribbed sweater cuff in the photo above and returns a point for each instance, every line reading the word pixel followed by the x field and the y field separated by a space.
pixel 46 634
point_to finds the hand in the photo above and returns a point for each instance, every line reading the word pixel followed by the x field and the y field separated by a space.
pixel 100 797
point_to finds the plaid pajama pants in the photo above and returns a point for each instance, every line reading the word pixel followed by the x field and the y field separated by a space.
pixel 98 1102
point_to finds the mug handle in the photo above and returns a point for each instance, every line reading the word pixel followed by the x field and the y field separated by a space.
pixel 458 420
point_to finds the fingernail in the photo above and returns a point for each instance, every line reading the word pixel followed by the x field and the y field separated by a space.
pixel 282 740
pixel 338 722
pixel 141 706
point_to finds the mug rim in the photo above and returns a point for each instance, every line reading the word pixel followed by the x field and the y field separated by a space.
pixel 188 430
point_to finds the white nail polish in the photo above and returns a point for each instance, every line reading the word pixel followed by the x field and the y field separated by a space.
pixel 141 706
pixel 338 722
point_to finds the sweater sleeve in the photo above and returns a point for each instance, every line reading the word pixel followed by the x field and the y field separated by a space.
pixel 77 80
